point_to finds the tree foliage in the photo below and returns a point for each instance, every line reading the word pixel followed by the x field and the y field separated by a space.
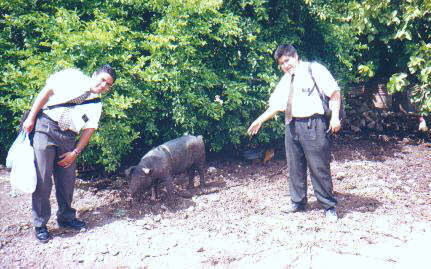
pixel 392 42
pixel 190 66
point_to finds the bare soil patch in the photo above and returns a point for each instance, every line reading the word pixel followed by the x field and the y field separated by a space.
pixel 383 190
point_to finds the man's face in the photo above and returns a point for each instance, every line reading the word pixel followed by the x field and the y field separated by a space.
pixel 288 64
pixel 101 82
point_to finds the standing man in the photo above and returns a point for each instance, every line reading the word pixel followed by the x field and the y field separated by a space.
pixel 54 142
pixel 306 135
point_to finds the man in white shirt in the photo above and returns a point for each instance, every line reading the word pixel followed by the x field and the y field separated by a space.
pixel 54 142
pixel 306 136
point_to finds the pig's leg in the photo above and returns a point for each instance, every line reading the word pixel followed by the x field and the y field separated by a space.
pixel 201 176
pixel 153 193
pixel 191 172
pixel 169 189
pixel 155 189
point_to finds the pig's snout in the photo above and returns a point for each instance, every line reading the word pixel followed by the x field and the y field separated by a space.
pixel 133 186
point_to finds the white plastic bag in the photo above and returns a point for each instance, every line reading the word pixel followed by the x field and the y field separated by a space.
pixel 23 175
pixel 11 155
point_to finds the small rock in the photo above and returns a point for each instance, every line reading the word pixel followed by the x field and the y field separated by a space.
pixel 420 201
pixel 212 169
pixel 92 189
pixel 13 193
pixel 214 198
pixel 120 213
pixel 341 174
pixel 141 222
pixel 406 189
pixel 355 129
pixel 201 249
pixel 157 218
pixel 148 226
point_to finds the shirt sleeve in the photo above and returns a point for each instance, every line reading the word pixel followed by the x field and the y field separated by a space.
pixel 324 80
pixel 68 84
pixel 278 98
pixel 94 117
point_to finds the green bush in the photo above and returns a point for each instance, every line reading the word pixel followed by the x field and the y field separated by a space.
pixel 194 66
pixel 390 41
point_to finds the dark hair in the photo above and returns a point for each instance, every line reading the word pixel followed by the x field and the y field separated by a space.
pixel 106 68
pixel 284 49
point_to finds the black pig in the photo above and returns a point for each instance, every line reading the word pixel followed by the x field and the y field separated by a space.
pixel 186 153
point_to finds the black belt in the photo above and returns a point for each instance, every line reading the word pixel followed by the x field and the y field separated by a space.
pixel 314 116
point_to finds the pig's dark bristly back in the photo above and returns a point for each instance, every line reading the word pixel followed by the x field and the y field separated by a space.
pixel 184 152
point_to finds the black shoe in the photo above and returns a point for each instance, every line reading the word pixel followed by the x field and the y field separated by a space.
pixel 72 224
pixel 293 207
pixel 331 214
pixel 42 234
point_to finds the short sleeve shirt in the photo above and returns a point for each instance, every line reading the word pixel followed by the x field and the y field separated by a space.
pixel 67 85
pixel 306 99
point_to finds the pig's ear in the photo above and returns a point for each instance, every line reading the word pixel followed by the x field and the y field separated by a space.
pixel 147 171
pixel 129 171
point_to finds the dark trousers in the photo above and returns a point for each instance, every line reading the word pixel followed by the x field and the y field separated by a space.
pixel 308 145
pixel 49 143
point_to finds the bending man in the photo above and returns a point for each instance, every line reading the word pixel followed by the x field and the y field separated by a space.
pixel 56 129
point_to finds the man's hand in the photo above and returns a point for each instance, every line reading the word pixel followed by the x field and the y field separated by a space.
pixel 28 124
pixel 334 105
pixel 67 159
pixel 334 125
pixel 254 127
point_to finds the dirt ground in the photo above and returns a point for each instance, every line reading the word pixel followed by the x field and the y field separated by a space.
pixel 383 189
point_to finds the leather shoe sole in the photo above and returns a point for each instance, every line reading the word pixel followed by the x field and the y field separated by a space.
pixel 42 234
pixel 72 224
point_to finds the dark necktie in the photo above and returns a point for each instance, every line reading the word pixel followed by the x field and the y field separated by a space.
pixel 288 111
pixel 65 118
